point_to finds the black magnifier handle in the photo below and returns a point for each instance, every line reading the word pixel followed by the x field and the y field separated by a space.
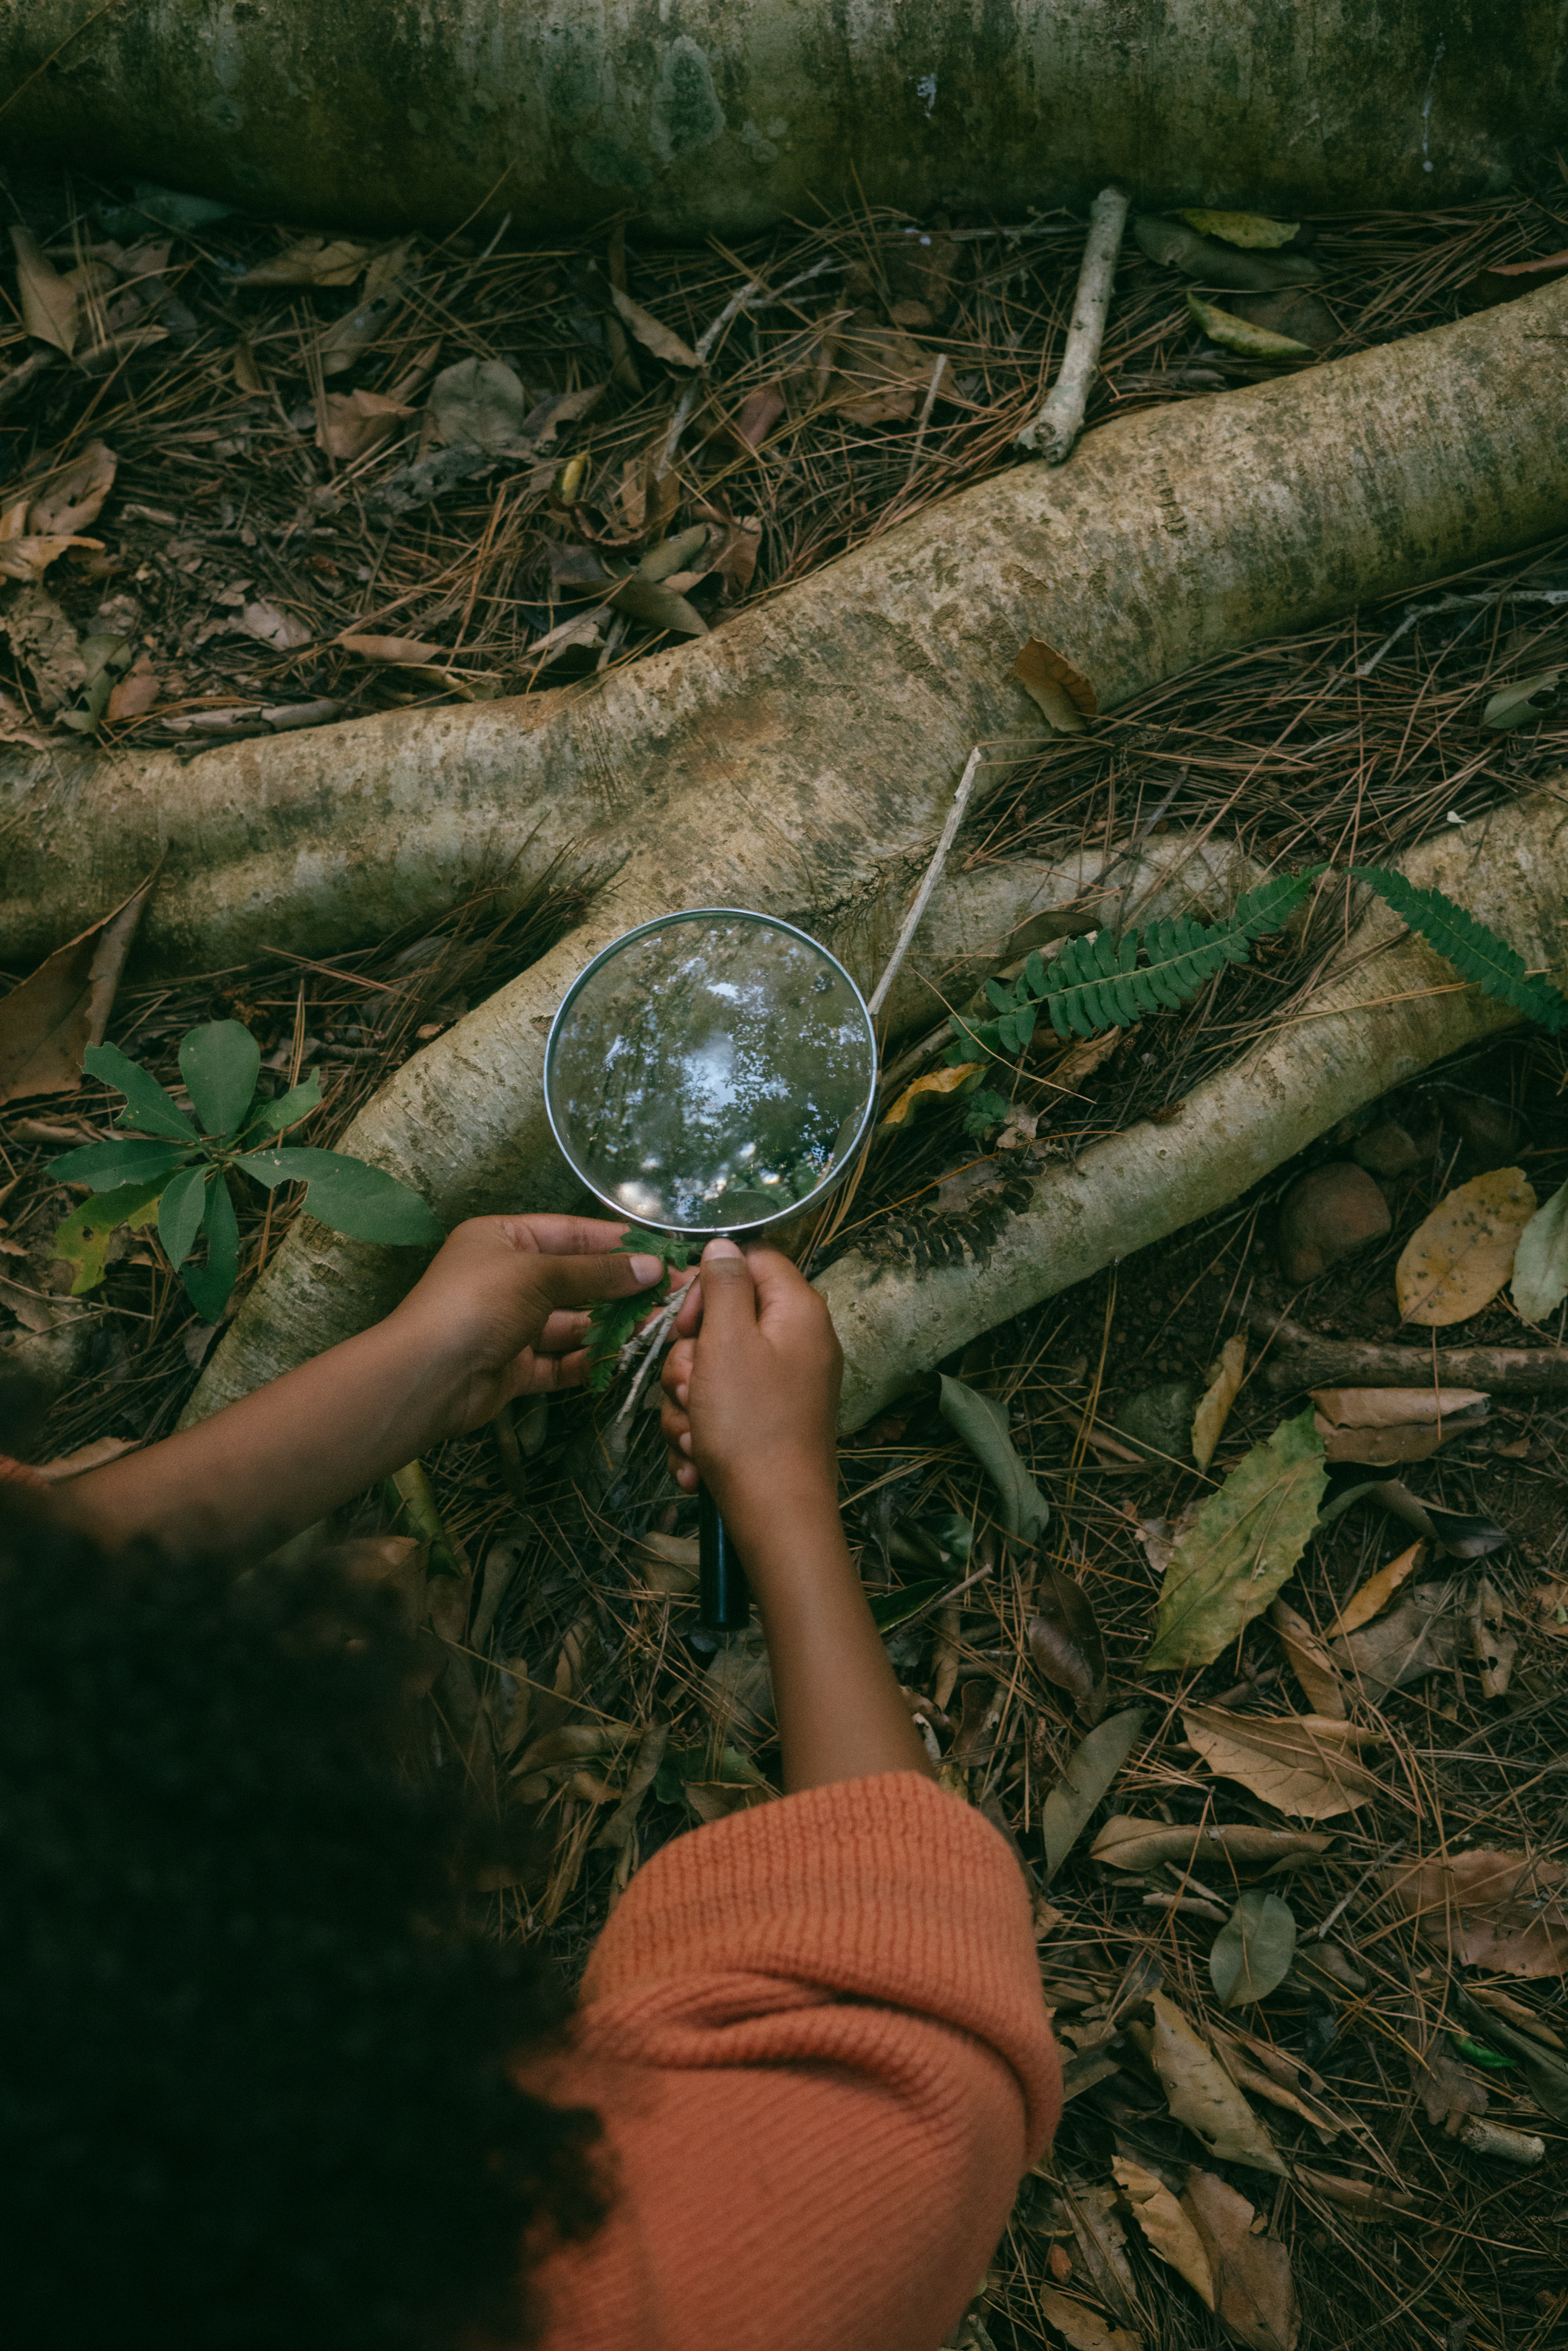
pixel 725 1595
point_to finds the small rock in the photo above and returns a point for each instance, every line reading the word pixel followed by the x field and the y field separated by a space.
pixel 1326 1216
pixel 1157 1421
pixel 1492 1132
pixel 1387 1149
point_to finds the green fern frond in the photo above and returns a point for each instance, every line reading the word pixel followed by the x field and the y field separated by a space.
pixel 1094 985
pixel 612 1320
pixel 1476 953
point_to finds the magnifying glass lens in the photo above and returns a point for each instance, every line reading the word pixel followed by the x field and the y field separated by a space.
pixel 711 1073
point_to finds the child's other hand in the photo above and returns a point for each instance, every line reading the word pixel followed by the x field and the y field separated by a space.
pixel 503 1310
pixel 751 1387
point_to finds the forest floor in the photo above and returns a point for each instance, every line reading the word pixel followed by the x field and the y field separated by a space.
pixel 237 551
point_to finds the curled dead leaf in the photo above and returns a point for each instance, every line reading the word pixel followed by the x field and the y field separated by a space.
pixel 388 649
pixel 1504 1911
pixel 350 423
pixel 1255 2298
pixel 1214 1405
pixel 1064 1641
pixel 1127 1843
pixel 659 340
pixel 48 1022
pixel 1168 2228
pixel 49 309
pixel 1062 692
pixel 71 499
pixel 1199 2090
pixel 1375 1593
pixel 1417 1638
pixel 1309 1660
pixel 1301 1764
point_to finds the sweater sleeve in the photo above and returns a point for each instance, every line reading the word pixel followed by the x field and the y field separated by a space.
pixel 816 2038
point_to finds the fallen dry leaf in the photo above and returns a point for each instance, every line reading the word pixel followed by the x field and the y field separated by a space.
pixel 312 261
pixel 1447 2089
pixel 72 498
pixel 1461 1255
pixel 1495 1650
pixel 136 692
pixel 1239 1551
pixel 1309 1660
pixel 1417 1639
pixel 1061 692
pixel 1064 1641
pixel 1551 1603
pixel 1214 1405
pixel 349 423
pixel 28 559
pixel 1497 1910
pixel 759 413
pixel 1365 2199
pixel 1089 1772
pixel 1255 2298
pixel 1127 1843
pixel 49 309
pixel 1079 2326
pixel 49 1022
pixel 268 622
pixel 1084 1057
pixel 1394 1408
pixel 1375 1593
pixel 1199 2090
pixel 882 375
pixel 1168 2228
pixel 1301 1764
pixel 247 375
pixel 389 649
pixel 650 334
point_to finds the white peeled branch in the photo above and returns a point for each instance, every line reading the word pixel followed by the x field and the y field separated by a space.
pixel 1060 419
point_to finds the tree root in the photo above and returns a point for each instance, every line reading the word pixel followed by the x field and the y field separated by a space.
pixel 1305 1359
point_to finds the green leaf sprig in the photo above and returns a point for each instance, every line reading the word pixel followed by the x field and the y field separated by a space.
pixel 179 1173
pixel 612 1320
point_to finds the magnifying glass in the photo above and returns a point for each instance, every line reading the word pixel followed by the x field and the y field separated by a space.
pixel 712 1072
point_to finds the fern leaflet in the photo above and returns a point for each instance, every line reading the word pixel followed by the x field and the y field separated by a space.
pixel 1476 953
pixel 1095 985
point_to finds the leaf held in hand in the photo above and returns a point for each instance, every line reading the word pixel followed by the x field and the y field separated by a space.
pixel 364 1202
pixel 1301 1764
pixel 982 1423
pixel 612 1320
pixel 1091 1768
pixel 1214 1405
pixel 1458 1259
pixel 1065 1644
pixel 1200 2093
pixel 1250 1956
pixel 1541 1260
pixel 1250 230
pixel 49 1022
pixel 82 1238
pixel 1240 334
pixel 1167 2227
pixel 219 1062
pixel 1240 1548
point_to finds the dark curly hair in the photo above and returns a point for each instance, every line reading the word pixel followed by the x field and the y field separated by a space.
pixel 255 2080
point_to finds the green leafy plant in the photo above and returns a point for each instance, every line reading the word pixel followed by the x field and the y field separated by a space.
pixel 167 1169
pixel 1097 983
pixel 612 1320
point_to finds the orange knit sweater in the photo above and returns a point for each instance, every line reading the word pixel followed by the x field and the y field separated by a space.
pixel 816 2038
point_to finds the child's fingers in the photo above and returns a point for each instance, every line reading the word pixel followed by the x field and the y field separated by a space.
pixel 564 1236
pixel 729 1294
pixel 569 1281
pixel 542 1374
pixel 565 1328
pixel 688 1321
pixel 675 1377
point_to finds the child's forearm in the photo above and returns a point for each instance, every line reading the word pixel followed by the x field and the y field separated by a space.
pixel 841 1714
pixel 278 1460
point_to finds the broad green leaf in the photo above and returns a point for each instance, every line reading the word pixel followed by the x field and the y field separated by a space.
pixel 272 1117
pixel 1250 1956
pixel 1247 229
pixel 82 1239
pixel 982 1423
pixel 1091 1768
pixel 1540 1261
pixel 1240 1548
pixel 891 1608
pixel 1240 334
pixel 148 1109
pixel 180 1212
pixel 1527 698
pixel 219 1063
pixel 105 1166
pixel 364 1202
pixel 208 1286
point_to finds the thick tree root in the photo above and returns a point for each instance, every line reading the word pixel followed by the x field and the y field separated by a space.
pixel 1301 1359
pixel 1389 1010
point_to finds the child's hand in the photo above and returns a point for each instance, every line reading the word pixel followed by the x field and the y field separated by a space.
pixel 503 1310
pixel 752 1399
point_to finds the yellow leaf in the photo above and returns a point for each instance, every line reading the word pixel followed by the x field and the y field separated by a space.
pixel 1298 1763
pixel 1167 2227
pixel 1214 1406
pixel 1240 334
pixel 1461 1256
pixel 1375 1593
pixel 48 304
pixel 935 1083
pixel 1247 229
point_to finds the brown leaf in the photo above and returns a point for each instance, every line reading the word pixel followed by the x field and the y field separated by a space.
pixel 650 334
pixel 1214 1405
pixel 71 499
pixel 49 1021
pixel 1505 281
pixel 268 622
pixel 1086 1055
pixel 1460 1257
pixel 1063 692
pixel 1418 1637
pixel 656 606
pixel 28 559
pixel 1127 1843
pixel 1079 2326
pixel 883 375
pixel 388 649
pixel 1309 1660
pixel 1445 2087
pixel 1375 1593
pixel 1255 2300
pixel 312 261
pixel 348 423
pixel 1497 1910
pixel 759 413
pixel 136 692
pixel 1199 2092
pixel 1065 1644
pixel 247 375
pixel 1394 1408
pixel 1365 2199
pixel 716 1799
pixel 931 1087
pixel 43 638
pixel 48 304
pixel 1301 1764
pixel 1381 1448
pixel 1495 1650
pixel 1169 2230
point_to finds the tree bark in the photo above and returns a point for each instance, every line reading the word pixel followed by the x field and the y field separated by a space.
pixel 1303 1359
pixel 724 115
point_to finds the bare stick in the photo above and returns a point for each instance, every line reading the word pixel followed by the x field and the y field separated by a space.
pixel 1061 418
pixel 933 875
pixel 648 1343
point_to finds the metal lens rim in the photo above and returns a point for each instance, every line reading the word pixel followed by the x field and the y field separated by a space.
pixel 647 930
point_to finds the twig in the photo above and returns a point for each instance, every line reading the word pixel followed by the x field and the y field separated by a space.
pixel 925 415
pixel 647 1344
pixel 1307 1361
pixel 933 875
pixel 752 293
pixel 1340 1908
pixel 1061 418
pixel 1418 612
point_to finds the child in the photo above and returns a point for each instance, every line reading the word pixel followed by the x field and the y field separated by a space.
pixel 263 2086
